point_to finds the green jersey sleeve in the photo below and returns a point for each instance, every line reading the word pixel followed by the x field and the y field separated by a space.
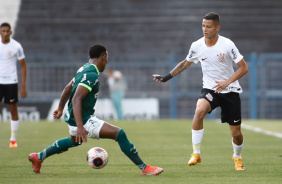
pixel 89 80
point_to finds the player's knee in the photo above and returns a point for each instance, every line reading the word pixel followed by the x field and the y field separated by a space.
pixel 14 112
pixel 121 135
pixel 200 113
pixel 116 132
pixel 237 135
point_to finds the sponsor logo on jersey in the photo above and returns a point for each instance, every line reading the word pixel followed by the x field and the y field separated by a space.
pixel 209 97
pixel 191 53
pixel 80 69
pixel 96 81
pixel 234 54
pixel 84 78
pixel 221 57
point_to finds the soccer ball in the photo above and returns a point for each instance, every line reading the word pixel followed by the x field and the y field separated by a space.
pixel 97 157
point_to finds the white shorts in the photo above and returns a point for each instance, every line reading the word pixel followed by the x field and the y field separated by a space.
pixel 92 126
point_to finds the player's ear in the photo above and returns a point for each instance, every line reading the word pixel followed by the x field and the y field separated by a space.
pixel 218 27
pixel 105 56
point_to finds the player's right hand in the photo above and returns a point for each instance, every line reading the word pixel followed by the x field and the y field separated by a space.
pixel 23 91
pixel 158 78
pixel 57 113
pixel 81 135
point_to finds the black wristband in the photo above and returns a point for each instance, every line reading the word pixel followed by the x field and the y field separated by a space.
pixel 167 77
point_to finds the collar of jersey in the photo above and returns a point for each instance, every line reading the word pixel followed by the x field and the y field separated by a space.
pixel 96 68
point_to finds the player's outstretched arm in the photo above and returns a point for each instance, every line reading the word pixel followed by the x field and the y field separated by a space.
pixel 177 70
pixel 63 100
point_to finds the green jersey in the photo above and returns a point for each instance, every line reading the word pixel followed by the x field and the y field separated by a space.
pixel 88 77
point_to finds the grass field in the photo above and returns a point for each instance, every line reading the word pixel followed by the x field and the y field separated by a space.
pixel 163 143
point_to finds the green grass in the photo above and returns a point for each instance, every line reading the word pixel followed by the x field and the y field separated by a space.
pixel 164 143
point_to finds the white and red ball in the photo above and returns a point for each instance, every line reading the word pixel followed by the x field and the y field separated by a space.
pixel 97 157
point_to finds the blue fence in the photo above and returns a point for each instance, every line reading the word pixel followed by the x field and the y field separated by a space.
pixel 261 97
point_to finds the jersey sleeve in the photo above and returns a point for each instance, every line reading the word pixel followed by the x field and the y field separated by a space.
pixel 20 53
pixel 192 54
pixel 89 80
pixel 234 53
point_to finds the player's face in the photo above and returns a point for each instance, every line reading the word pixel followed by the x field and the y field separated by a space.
pixel 104 61
pixel 5 33
pixel 209 28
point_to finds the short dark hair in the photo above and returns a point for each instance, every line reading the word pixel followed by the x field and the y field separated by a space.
pixel 97 50
pixel 213 16
pixel 5 24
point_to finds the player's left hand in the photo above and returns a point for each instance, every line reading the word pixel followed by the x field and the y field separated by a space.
pixel 221 85
pixel 23 92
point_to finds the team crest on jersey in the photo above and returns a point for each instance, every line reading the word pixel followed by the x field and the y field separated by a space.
pixel 221 57
pixel 209 97
pixel 10 53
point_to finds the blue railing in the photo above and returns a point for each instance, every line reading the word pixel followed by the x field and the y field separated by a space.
pixel 262 96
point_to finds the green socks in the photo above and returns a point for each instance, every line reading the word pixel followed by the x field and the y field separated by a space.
pixel 129 150
pixel 64 144
pixel 58 147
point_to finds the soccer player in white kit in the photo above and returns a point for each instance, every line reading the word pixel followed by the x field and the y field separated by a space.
pixel 11 51
pixel 220 85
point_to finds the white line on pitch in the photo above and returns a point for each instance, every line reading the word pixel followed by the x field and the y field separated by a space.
pixel 260 130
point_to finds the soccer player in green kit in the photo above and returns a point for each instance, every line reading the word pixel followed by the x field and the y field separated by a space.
pixel 82 92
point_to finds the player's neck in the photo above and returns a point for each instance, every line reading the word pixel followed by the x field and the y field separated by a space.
pixel 211 41
pixel 94 62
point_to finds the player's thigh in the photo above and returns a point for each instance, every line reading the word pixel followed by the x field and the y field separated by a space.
pixel 231 109
pixel 92 126
pixel 208 101
pixel 203 107
pixel 2 92
pixel 97 128
pixel 109 131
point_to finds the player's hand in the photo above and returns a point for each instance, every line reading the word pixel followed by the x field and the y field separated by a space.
pixel 158 78
pixel 57 113
pixel 220 86
pixel 81 135
pixel 23 91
